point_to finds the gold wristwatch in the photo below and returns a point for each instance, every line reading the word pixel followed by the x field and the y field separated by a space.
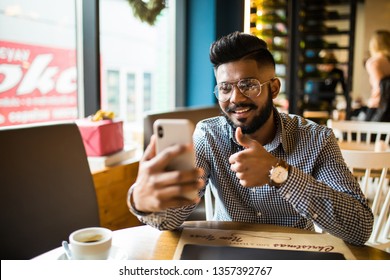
pixel 279 173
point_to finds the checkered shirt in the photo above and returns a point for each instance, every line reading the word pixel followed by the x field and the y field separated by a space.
pixel 320 188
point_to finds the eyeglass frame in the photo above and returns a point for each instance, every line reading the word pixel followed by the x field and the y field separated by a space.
pixel 236 83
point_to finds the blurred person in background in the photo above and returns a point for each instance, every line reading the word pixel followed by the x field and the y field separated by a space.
pixel 333 76
pixel 378 69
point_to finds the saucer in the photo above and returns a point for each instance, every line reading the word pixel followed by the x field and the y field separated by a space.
pixel 116 253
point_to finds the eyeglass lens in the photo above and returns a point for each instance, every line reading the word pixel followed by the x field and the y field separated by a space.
pixel 248 87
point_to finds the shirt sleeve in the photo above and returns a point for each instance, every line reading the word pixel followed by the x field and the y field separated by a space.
pixel 330 196
pixel 169 219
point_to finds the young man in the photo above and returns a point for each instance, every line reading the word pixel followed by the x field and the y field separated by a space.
pixel 263 166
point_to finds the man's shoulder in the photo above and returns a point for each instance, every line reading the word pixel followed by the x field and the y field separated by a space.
pixel 213 127
pixel 299 131
pixel 297 123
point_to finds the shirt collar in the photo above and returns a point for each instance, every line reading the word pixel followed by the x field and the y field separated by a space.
pixel 280 135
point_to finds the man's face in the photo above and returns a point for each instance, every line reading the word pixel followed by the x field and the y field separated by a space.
pixel 248 113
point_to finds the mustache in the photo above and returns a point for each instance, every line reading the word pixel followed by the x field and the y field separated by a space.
pixel 235 107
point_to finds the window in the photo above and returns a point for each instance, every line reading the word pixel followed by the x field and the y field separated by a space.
pixel 113 91
pixel 38 67
pixel 131 98
pixel 38 77
pixel 137 60
pixel 147 91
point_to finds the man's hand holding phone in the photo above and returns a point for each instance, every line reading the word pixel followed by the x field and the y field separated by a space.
pixel 167 177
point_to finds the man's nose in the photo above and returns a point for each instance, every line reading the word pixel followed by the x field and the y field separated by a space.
pixel 236 95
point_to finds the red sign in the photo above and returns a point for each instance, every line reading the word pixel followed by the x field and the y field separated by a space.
pixel 37 84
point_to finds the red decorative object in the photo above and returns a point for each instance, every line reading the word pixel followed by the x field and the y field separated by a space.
pixel 101 137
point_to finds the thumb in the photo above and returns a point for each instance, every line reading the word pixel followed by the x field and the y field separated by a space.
pixel 244 140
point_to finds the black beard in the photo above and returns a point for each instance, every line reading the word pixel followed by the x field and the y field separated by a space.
pixel 258 121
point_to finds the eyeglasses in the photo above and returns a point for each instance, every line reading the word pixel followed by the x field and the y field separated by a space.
pixel 248 87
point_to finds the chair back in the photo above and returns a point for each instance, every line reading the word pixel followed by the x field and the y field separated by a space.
pixel 194 114
pixel 47 189
pixel 372 172
pixel 360 131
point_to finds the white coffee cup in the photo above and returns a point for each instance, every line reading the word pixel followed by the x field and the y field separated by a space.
pixel 92 243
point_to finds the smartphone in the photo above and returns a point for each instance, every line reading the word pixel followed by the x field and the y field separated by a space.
pixel 175 131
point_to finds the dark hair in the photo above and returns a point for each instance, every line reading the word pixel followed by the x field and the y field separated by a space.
pixel 237 46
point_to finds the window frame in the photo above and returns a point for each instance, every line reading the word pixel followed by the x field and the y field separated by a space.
pixel 89 84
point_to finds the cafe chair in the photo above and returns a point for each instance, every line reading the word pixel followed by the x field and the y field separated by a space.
pixel 372 170
pixel 194 114
pixel 360 131
pixel 46 188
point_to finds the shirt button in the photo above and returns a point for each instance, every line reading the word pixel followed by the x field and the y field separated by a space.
pixel 315 216
pixel 258 214
pixel 253 190
pixel 288 195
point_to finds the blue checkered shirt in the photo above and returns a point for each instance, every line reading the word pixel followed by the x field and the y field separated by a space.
pixel 320 188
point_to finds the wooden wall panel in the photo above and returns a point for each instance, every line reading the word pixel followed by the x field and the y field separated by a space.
pixel 111 187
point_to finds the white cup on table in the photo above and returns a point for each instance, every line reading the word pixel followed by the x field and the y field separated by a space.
pixel 92 243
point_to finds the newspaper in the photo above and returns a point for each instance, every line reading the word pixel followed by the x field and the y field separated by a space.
pixel 266 240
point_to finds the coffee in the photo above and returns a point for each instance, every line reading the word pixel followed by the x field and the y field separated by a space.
pixel 92 238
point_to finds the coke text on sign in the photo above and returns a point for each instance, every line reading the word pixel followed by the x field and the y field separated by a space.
pixel 37 83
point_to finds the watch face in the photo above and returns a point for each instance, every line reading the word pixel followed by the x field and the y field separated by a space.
pixel 279 175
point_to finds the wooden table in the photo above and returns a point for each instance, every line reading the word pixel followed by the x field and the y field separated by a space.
pixel 147 243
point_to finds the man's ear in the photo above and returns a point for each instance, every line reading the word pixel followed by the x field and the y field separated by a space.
pixel 275 87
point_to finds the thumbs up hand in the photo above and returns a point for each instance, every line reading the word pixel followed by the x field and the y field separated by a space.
pixel 244 140
pixel 251 165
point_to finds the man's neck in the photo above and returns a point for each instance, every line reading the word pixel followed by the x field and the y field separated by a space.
pixel 266 133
